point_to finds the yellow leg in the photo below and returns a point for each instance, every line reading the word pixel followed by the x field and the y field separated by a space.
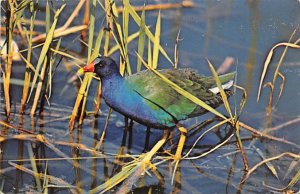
pixel 181 142
pixel 178 153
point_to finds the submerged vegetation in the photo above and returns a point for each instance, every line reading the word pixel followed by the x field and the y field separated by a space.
pixel 114 36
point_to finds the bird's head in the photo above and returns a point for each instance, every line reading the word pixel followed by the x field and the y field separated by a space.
pixel 102 66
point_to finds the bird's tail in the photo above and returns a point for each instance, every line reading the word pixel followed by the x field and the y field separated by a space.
pixel 224 79
pixel 225 86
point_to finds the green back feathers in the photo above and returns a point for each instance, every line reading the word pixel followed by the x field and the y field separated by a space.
pixel 161 98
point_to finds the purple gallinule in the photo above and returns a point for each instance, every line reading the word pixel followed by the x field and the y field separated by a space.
pixel 147 99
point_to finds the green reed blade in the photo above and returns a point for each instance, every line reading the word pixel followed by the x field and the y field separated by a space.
pixel 98 44
pixel 219 85
pixel 52 60
pixel 149 53
pixel 91 30
pixel 45 48
pixel 47 16
pixel 116 47
pixel 156 42
pixel 137 19
pixel 141 43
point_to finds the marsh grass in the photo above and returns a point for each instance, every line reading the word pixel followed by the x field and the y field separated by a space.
pixel 121 37
pixel 272 84
pixel 113 38
pixel 27 77
pixel 6 75
pixel 45 61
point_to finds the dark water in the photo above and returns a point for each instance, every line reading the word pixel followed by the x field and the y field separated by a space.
pixel 243 30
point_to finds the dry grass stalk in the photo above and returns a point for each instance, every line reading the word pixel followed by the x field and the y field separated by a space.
pixel 240 146
pixel 132 171
pixel 281 86
pixel 9 59
pixel 22 33
pixel 89 80
pixel 289 154
pixel 263 135
pixel 35 22
pixel 27 77
pixel 183 4
pixel 176 51
pixel 269 165
pixel 270 102
pixel 268 60
pixel 51 179
pixel 98 146
pixel 39 88
pixel 86 19
pixel 98 99
pixel 81 94
pixel 283 125
pixel 65 27
pixel 81 147
pixel 15 31
pixel 42 61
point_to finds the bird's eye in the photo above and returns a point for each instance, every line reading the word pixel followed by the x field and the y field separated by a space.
pixel 97 60
pixel 101 64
